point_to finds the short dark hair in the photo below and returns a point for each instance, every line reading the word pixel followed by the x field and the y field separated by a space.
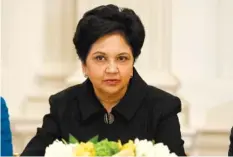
pixel 104 20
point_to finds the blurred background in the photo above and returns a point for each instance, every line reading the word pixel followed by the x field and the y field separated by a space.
pixel 188 51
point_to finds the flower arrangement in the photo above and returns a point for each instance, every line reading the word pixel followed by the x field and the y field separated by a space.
pixel 93 147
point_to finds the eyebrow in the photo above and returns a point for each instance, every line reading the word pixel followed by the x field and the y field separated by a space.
pixel 103 53
pixel 99 52
pixel 123 53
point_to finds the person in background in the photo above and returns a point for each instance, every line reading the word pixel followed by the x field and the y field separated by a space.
pixel 230 152
pixel 6 138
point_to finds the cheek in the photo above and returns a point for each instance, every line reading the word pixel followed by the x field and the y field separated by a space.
pixel 126 71
pixel 95 71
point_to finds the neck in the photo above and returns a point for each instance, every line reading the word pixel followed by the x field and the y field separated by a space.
pixel 110 100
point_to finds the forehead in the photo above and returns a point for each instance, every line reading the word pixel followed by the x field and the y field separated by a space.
pixel 113 43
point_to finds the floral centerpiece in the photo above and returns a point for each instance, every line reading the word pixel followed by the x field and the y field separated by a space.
pixel 93 147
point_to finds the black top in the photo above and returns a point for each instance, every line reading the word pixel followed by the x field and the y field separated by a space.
pixel 230 153
pixel 145 112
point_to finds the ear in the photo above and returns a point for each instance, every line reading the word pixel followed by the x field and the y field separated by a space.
pixel 84 69
pixel 132 72
pixel 131 75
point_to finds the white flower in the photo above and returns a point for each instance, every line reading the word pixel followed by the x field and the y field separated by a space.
pixel 143 147
pixel 59 149
pixel 161 150
pixel 173 155
pixel 146 148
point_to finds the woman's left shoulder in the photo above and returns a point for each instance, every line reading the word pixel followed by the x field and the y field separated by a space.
pixel 231 137
pixel 230 152
pixel 162 100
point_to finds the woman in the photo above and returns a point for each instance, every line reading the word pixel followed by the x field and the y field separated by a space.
pixel 114 102
pixel 230 152
pixel 6 139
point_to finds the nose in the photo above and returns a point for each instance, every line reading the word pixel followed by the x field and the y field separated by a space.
pixel 112 68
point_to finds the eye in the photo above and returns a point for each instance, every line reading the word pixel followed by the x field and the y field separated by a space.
pixel 122 58
pixel 100 58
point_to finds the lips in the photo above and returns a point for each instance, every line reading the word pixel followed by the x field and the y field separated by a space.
pixel 112 81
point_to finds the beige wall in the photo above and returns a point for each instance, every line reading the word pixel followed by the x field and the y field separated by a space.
pixel 33 34
pixel 201 52
pixel 22 44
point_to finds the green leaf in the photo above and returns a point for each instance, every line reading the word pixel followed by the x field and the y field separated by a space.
pixel 153 141
pixel 106 148
pixel 64 141
pixel 72 139
pixel 94 139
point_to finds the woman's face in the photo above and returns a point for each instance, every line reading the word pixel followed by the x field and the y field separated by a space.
pixel 109 64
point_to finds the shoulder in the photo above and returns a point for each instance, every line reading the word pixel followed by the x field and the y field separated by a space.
pixel 230 152
pixel 4 109
pixel 231 137
pixel 66 94
pixel 61 98
pixel 5 130
pixel 3 102
pixel 163 101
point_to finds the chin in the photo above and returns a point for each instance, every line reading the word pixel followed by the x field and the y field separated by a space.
pixel 112 90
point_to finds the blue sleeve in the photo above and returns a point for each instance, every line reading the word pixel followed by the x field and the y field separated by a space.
pixel 6 139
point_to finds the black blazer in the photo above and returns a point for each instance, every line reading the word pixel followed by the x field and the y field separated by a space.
pixel 144 112
pixel 230 153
